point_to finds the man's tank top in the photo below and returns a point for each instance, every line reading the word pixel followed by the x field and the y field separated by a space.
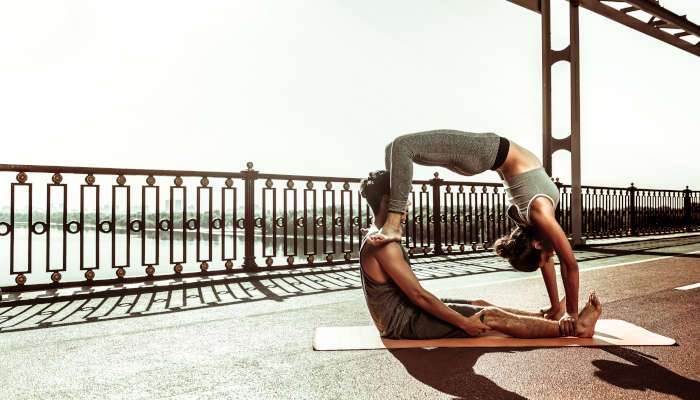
pixel 390 308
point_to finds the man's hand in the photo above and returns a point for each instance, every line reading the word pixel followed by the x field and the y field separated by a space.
pixel 567 325
pixel 473 325
pixel 383 237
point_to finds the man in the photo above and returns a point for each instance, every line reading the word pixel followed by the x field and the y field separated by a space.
pixel 402 309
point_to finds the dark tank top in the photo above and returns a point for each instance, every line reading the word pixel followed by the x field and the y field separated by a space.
pixel 390 308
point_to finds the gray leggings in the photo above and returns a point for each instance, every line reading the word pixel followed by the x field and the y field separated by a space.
pixel 425 326
pixel 465 153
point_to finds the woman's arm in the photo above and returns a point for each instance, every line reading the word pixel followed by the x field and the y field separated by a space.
pixel 550 282
pixel 391 259
pixel 542 216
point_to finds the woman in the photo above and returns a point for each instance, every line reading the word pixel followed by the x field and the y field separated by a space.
pixel 530 191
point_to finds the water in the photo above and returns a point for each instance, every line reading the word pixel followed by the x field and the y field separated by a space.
pixel 227 243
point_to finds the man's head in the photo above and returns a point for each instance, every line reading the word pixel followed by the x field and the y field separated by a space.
pixel 374 188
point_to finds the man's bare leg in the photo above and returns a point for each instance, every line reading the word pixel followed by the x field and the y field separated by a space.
pixel 520 326
pixel 484 303
pixel 524 326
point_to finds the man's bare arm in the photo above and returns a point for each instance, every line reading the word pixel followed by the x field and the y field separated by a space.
pixel 391 259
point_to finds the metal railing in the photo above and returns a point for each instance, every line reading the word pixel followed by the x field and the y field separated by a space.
pixel 93 226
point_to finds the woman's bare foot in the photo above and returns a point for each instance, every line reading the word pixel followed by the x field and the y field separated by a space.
pixel 587 318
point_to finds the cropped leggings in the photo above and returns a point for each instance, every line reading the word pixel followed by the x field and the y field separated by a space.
pixel 465 153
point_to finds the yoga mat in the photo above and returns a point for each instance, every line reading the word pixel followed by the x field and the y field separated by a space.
pixel 608 332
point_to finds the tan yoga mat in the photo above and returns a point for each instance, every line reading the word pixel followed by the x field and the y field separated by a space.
pixel 608 332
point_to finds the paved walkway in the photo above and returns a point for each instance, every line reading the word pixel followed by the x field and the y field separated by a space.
pixel 251 338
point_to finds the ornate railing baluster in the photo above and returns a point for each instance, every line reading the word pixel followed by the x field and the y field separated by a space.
pixel 56 180
pixel 310 253
pixel 357 221
pixel 203 260
pixel 147 261
pixel 459 217
pixel 426 218
pixel 121 185
pixel 181 223
pixel 436 221
pixel 346 222
pixel 269 190
pixel 413 245
pixel 230 190
pixel 89 185
pixel 21 278
pixel 328 191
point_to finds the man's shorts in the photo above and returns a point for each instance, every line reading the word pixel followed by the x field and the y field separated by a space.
pixel 423 325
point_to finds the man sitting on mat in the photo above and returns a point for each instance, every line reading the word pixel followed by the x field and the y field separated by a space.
pixel 402 309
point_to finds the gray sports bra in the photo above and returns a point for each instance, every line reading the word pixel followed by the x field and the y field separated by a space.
pixel 522 189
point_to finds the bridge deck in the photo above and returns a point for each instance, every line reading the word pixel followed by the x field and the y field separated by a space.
pixel 252 338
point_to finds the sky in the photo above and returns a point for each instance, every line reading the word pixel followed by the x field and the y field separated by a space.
pixel 321 86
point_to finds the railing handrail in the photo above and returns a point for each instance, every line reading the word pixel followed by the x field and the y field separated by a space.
pixel 239 174
pixel 628 187
pixel 309 178
pixel 114 171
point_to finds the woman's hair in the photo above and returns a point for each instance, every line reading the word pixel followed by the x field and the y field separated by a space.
pixel 374 187
pixel 518 250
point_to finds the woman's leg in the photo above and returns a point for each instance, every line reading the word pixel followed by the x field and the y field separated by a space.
pixel 398 160
pixel 463 152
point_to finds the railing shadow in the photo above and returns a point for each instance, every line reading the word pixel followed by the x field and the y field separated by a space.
pixel 42 313
pixel 84 307
pixel 650 248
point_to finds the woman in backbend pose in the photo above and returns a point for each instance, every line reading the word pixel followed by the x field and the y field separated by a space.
pixel 532 195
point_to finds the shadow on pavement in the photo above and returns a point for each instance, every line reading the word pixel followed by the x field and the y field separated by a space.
pixel 46 312
pixel 94 307
pixel 621 252
pixel 451 371
pixel 644 374
pixel 648 248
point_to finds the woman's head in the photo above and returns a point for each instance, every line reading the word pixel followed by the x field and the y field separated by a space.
pixel 523 248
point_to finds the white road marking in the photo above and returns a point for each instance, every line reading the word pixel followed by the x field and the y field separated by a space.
pixel 580 270
pixel 688 287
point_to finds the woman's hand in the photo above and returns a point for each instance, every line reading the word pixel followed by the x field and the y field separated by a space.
pixel 473 325
pixel 555 312
pixel 567 325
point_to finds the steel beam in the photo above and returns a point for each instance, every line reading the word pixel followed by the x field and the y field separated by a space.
pixel 532 5
pixel 618 16
pixel 572 143
pixel 666 15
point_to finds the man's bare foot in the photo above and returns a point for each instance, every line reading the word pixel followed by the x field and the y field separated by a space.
pixel 385 235
pixel 588 317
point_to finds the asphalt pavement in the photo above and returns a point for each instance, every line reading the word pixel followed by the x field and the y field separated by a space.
pixel 251 338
